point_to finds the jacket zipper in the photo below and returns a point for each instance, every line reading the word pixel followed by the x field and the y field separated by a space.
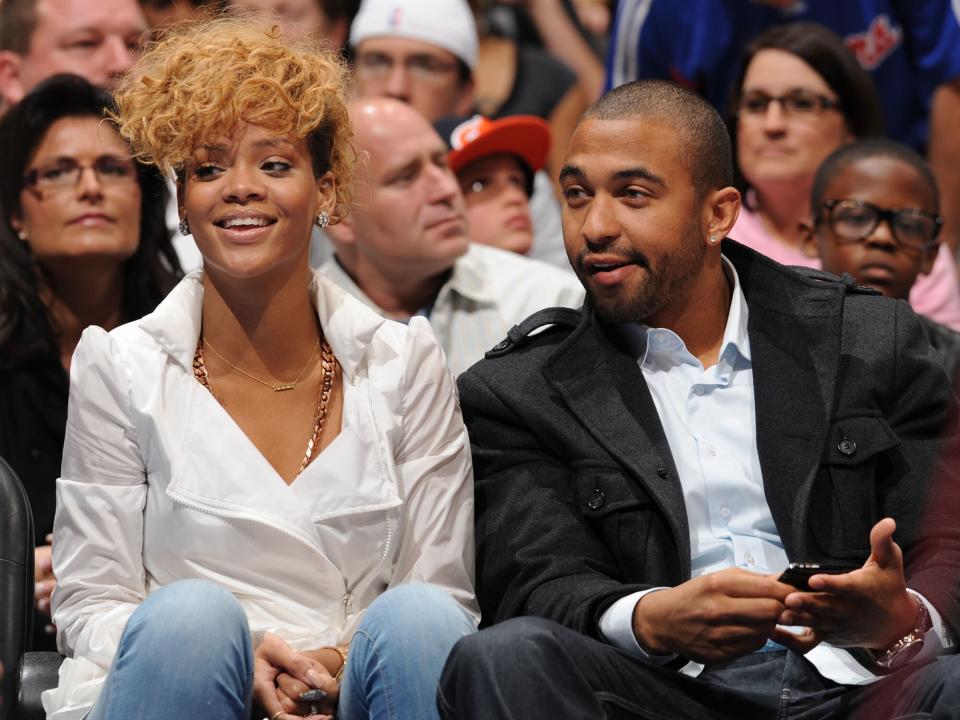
pixel 350 591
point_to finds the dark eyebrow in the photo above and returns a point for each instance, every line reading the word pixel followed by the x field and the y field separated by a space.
pixel 639 172
pixel 569 170
pixel 627 174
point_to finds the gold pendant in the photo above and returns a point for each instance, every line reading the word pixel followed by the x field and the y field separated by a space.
pixel 281 388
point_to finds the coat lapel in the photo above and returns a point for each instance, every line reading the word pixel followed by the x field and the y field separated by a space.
pixel 604 388
pixel 794 331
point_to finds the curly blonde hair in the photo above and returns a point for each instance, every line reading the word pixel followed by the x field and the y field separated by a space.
pixel 200 81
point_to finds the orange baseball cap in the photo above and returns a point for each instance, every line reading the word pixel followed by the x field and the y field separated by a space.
pixel 526 136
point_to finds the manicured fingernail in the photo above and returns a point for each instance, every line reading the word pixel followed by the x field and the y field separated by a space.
pixel 313 695
pixel 315 678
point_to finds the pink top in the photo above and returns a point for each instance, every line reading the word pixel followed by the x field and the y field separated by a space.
pixel 936 295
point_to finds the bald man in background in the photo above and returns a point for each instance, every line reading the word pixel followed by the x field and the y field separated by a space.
pixel 405 249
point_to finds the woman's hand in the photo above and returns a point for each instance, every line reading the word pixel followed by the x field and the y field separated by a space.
pixel 43 578
pixel 273 658
pixel 290 688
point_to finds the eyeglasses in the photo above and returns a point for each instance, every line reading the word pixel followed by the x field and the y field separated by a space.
pixel 423 68
pixel 796 102
pixel 65 173
pixel 854 220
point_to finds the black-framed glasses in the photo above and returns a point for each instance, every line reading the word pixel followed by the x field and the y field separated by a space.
pixel 854 220
pixel 65 173
pixel 796 102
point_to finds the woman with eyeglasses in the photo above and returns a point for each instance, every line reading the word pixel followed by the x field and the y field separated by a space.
pixel 83 242
pixel 801 95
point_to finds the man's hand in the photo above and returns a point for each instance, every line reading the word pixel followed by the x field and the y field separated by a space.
pixel 274 657
pixel 869 607
pixel 712 618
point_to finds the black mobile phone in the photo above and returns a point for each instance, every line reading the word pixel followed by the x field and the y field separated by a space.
pixel 799 574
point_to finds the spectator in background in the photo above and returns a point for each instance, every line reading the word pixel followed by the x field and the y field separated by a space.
pixel 912 50
pixel 555 82
pixel 495 161
pixel 425 54
pixel 96 39
pixel 800 95
pixel 875 214
pixel 405 249
pixel 325 19
pixel 83 243
pixel 165 12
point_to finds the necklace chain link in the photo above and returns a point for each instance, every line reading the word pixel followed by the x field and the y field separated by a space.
pixel 327 360
pixel 276 388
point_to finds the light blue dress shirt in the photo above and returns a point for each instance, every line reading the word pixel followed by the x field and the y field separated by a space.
pixel 708 417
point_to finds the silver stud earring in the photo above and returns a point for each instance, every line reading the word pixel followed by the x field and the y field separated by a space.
pixel 22 235
pixel 184 226
pixel 322 219
pixel 713 239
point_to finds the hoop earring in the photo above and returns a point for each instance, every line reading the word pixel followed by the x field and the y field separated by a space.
pixel 322 219
pixel 184 226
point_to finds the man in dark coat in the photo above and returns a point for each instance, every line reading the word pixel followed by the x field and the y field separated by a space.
pixel 647 467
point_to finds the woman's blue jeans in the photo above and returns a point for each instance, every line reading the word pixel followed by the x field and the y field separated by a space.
pixel 186 652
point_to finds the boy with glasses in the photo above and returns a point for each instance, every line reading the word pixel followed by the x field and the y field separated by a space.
pixel 875 208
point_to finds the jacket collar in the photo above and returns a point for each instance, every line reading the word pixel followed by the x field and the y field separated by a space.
pixel 794 332
pixel 347 323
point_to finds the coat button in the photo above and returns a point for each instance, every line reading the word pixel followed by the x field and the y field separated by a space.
pixel 847 447
pixel 597 499
pixel 662 471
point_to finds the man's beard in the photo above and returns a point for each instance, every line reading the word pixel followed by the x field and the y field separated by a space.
pixel 660 289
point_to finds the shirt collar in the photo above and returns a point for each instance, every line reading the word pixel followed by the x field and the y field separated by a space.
pixel 660 346
pixel 347 324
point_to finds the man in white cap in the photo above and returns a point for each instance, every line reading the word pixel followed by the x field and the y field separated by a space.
pixel 405 249
pixel 425 53
pixel 422 53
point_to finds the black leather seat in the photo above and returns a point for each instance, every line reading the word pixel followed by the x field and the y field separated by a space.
pixel 16 582
pixel 26 674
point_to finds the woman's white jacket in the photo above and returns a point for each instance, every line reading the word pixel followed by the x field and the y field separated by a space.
pixel 159 484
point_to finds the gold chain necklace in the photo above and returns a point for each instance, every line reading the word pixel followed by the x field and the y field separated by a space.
pixel 329 363
pixel 276 388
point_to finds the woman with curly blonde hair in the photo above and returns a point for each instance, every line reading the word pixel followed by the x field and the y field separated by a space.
pixel 266 490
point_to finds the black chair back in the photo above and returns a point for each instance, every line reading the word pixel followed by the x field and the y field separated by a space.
pixel 16 581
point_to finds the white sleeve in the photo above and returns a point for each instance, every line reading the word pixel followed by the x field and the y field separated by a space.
pixel 436 475
pixel 616 626
pixel 98 531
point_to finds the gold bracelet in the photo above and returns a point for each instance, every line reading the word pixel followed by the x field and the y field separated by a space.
pixel 342 652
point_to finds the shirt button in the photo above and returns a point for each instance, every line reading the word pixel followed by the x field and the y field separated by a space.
pixel 724 512
pixel 749 559
pixel 712 450
pixel 698 389
pixel 662 471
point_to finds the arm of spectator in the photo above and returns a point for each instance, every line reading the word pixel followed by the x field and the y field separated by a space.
pixel 562 38
pixel 563 120
pixel 435 474
pixel 944 154
pixel 98 531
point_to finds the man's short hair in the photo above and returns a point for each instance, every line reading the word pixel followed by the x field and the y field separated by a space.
pixel 705 144
pixel 846 155
pixel 18 20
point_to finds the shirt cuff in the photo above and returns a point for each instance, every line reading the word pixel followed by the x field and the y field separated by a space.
pixel 616 627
